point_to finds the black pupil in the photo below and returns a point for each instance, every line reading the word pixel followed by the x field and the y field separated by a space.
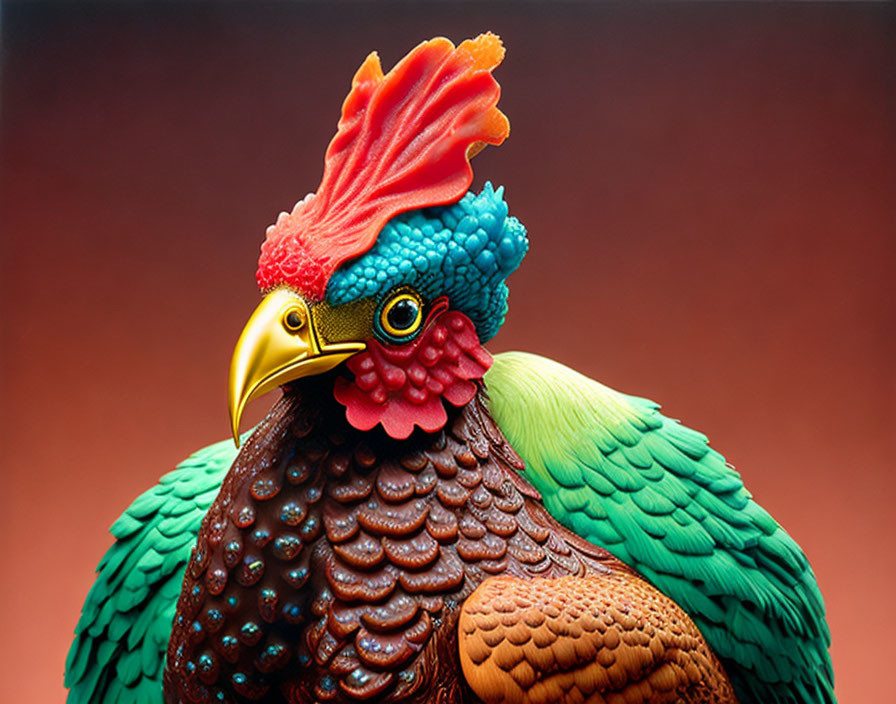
pixel 403 314
pixel 293 320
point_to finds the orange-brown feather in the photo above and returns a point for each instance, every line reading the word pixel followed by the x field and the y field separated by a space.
pixel 597 637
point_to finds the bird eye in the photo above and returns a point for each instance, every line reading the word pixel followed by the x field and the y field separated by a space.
pixel 293 320
pixel 401 316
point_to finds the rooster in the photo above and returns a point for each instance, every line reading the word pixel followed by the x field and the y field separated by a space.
pixel 416 520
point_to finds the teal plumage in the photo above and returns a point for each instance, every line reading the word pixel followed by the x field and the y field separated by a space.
pixel 463 251
pixel 614 470
pixel 118 653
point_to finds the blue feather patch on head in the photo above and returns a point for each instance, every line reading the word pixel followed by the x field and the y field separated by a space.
pixel 463 251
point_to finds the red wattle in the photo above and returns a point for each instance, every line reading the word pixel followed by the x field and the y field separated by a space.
pixel 403 386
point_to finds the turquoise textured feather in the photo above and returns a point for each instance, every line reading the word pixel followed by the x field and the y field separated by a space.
pixel 614 470
pixel 118 653
pixel 463 251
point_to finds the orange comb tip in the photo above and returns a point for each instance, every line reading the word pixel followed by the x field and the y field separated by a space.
pixel 487 50
pixel 370 70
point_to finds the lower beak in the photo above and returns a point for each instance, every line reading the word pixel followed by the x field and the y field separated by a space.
pixel 279 344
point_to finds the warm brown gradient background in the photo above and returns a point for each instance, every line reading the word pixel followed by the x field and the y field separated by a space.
pixel 708 189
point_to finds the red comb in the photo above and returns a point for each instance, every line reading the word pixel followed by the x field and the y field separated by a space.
pixel 404 142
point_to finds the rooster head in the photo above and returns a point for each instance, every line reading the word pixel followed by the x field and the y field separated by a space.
pixel 391 272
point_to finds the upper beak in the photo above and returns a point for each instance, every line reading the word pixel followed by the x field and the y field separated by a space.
pixel 279 344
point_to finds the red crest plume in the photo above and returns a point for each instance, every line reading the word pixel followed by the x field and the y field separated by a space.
pixel 404 142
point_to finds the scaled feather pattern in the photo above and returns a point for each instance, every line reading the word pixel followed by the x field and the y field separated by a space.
pixel 614 470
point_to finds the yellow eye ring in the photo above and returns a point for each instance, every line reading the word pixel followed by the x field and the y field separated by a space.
pixel 401 315
pixel 293 320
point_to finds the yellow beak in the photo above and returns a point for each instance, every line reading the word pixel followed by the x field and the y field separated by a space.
pixel 279 344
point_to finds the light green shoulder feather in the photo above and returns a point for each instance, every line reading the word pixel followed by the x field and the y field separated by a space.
pixel 118 653
pixel 617 472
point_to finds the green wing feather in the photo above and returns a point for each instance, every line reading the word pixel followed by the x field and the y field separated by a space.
pixel 118 654
pixel 614 470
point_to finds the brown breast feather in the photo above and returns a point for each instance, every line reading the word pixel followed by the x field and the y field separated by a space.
pixel 333 564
